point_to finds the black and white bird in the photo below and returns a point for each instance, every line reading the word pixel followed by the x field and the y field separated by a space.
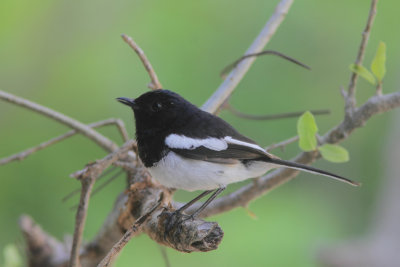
pixel 184 147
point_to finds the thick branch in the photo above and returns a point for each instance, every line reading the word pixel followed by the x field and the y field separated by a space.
pixel 100 139
pixel 235 76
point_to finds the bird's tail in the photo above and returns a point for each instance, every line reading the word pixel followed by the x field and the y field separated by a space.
pixel 302 167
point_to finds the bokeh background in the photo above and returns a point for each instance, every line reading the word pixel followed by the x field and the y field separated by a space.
pixel 68 55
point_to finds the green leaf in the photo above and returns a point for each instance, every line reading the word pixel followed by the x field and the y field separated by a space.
pixel 306 129
pixel 363 72
pixel 378 65
pixel 334 153
pixel 11 256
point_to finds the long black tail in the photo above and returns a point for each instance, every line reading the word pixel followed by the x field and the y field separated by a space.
pixel 302 167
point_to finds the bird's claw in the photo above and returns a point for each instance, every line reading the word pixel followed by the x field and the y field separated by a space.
pixel 173 220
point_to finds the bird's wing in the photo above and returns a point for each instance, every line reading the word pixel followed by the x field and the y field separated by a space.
pixel 225 150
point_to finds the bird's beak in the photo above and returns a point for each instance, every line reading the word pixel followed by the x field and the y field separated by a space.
pixel 127 101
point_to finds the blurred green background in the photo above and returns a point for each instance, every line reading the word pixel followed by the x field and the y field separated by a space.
pixel 68 55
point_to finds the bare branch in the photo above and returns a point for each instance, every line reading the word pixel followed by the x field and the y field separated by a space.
pixel 100 139
pixel 87 186
pixel 87 177
pixel 22 155
pixel 108 181
pixel 273 116
pixel 76 191
pixel 351 98
pixel 41 248
pixel 116 249
pixel 235 76
pixel 96 168
pixel 282 144
pixel 122 129
pixel 155 83
pixel 265 52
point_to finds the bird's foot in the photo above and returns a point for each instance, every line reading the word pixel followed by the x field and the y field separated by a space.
pixel 174 220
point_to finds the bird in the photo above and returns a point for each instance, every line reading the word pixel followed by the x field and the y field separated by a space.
pixel 184 147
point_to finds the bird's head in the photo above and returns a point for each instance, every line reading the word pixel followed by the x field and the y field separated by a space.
pixel 157 110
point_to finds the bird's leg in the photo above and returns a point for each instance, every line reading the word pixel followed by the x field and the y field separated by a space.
pixel 176 215
pixel 208 201
pixel 191 202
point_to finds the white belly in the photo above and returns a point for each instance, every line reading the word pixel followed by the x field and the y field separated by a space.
pixel 175 171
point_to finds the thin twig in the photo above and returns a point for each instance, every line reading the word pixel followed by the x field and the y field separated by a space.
pixel 76 191
pixel 113 253
pixel 96 168
pixel 100 139
pixel 235 76
pixel 282 144
pixel 155 83
pixel 101 186
pixel 164 254
pixel 273 116
pixel 80 219
pixel 23 154
pixel 351 98
pixel 87 177
pixel 108 181
pixel 265 52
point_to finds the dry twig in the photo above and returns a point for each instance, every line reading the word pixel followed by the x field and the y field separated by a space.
pixel 236 75
pixel 282 144
pixel 287 115
pixel 87 177
pixel 100 139
pixel 155 83
pixel 22 155
pixel 265 52
pixel 351 95
pixel 116 249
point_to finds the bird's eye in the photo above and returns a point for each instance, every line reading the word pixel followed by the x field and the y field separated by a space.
pixel 157 106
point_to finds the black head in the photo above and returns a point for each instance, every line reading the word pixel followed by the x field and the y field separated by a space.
pixel 158 110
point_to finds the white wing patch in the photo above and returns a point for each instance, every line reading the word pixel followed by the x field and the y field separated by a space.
pixel 230 140
pixel 184 142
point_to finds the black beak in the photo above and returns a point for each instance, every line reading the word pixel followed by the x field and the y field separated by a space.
pixel 127 101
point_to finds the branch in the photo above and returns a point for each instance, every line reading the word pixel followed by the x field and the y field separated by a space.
pixel 93 135
pixel 22 155
pixel 240 198
pixel 87 177
pixel 116 249
pixel 41 248
pixel 80 219
pixel 282 144
pixel 235 76
pixel 351 98
pixel 265 52
pixel 155 83
pixel 272 116
pixel 191 235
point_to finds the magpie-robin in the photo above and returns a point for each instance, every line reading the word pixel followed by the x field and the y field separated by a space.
pixel 186 148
